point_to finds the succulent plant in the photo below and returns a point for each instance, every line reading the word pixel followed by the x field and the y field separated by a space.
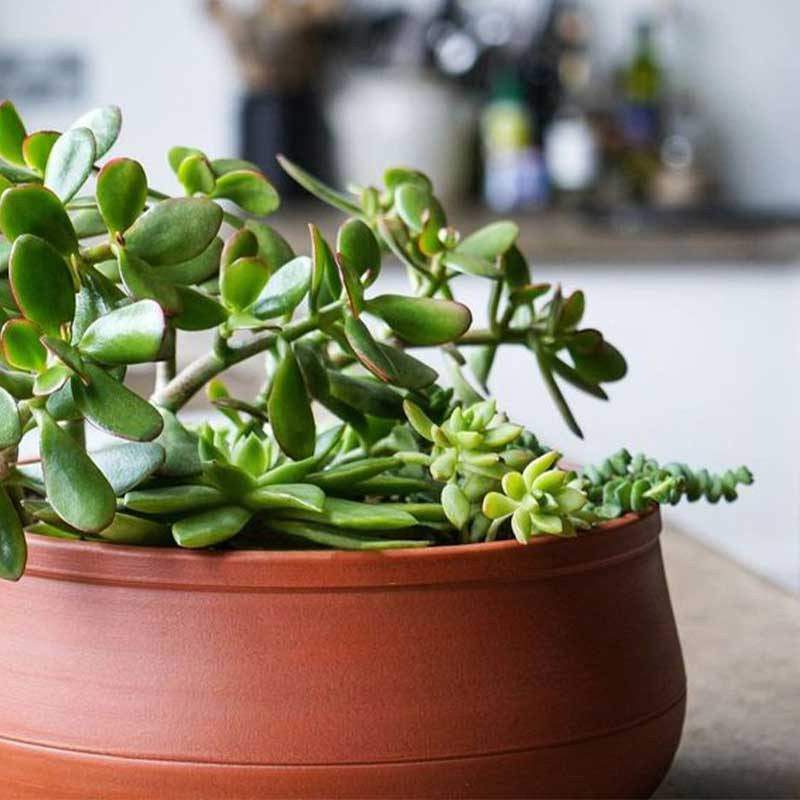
pixel 95 281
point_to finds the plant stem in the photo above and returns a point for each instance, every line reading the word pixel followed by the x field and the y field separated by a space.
pixel 165 372
pixel 190 380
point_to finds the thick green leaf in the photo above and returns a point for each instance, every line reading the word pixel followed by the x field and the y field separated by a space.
pixel 104 123
pixel 233 482
pixel 222 166
pixel 604 364
pixel 319 189
pixel 349 277
pixel 413 202
pixel 97 296
pixel 397 176
pixel 42 283
pixel 407 371
pixel 272 247
pixel 76 488
pixel 127 465
pixel 302 496
pixel 12 134
pixel 360 247
pixel 211 527
pixel 250 190
pixel 66 354
pixel 36 210
pixel 344 476
pixel 195 270
pixel 516 268
pixel 557 395
pixel 131 334
pixel 242 281
pixel 51 380
pixel 330 537
pixel 121 193
pixel 471 265
pixel 177 155
pixel 13 549
pixel 290 410
pixel 355 516
pixel 325 283
pixel 182 460
pixel 21 346
pixel 456 506
pixel 367 395
pixel 70 162
pixel 284 290
pixel 5 251
pixel 241 244
pixel 130 530
pixel 200 312
pixel 174 499
pixel 572 376
pixel 88 222
pixel 10 426
pixel 36 149
pixel 174 230
pixel 196 175
pixel 367 350
pixel 112 407
pixel 422 320
pixel 143 282
pixel 490 242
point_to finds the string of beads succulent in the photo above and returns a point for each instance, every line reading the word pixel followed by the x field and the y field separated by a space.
pixel 353 441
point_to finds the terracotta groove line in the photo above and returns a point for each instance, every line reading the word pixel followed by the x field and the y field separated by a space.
pixel 338 764
pixel 575 569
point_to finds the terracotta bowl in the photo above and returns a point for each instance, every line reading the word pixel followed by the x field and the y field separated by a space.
pixel 491 670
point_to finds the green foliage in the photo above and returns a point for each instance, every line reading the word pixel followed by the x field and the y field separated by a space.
pixel 94 283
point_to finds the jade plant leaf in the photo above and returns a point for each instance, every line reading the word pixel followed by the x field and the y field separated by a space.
pixel 200 312
pixel 10 426
pixel 302 496
pixel 195 270
pixel 367 395
pixel 143 282
pixel 241 244
pixel 17 384
pixel 222 166
pixel 250 191
pixel 413 202
pixel 36 149
pixel 490 242
pixel 177 155
pixel 131 334
pixel 97 296
pixel 317 188
pixel 367 350
pixel 127 465
pixel 174 230
pixel 131 530
pixel 112 407
pixel 104 123
pixel 356 516
pixel 36 210
pixel 66 354
pixel 360 247
pixel 42 283
pixel 21 346
pixel 272 247
pixel 210 527
pixel 87 222
pixel 51 380
pixel 174 499
pixel 471 264
pixel 325 283
pixel 351 281
pixel 182 459
pixel 407 371
pixel 422 320
pixel 13 549
pixel 290 410
pixel 76 488
pixel 604 364
pixel 242 281
pixel 196 175
pixel 121 193
pixel 70 162
pixel 284 290
pixel 331 537
pixel 12 134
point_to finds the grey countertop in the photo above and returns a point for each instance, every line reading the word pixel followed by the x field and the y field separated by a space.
pixel 564 238
pixel 741 642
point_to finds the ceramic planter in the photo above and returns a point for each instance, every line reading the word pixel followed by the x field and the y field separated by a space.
pixel 492 670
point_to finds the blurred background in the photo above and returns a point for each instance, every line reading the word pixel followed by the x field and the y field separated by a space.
pixel 647 150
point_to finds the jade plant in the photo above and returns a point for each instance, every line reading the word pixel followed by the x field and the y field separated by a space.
pixel 352 441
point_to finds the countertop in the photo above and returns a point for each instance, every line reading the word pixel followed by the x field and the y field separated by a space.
pixel 554 237
pixel 741 642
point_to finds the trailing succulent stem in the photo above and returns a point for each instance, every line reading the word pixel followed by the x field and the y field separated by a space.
pixel 95 281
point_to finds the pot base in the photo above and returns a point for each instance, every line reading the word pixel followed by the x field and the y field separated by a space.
pixel 573 769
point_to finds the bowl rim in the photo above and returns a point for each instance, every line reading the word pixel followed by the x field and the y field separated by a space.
pixel 298 570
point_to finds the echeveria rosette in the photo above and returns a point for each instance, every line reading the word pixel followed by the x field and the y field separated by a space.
pixel 540 500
